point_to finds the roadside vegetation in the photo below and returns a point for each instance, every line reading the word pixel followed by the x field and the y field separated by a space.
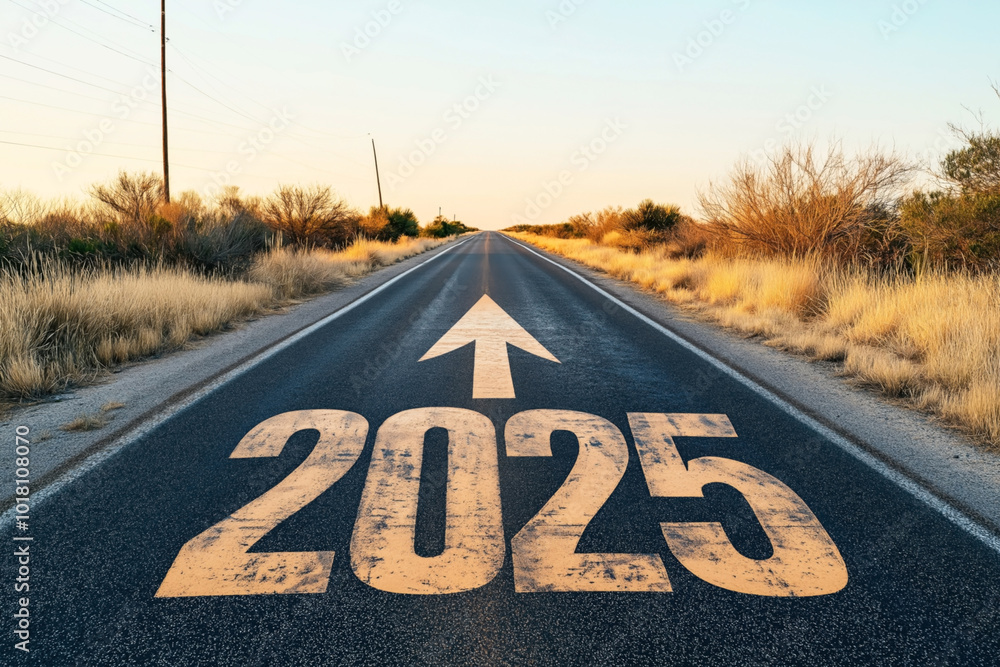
pixel 837 258
pixel 86 287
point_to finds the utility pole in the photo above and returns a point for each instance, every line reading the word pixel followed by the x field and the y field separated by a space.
pixel 163 81
pixel 378 179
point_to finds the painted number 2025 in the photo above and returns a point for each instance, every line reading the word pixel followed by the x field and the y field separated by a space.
pixel 219 561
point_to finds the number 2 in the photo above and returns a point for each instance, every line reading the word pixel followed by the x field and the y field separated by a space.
pixel 217 561
pixel 544 552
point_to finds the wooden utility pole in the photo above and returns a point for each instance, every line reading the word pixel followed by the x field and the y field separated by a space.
pixel 163 81
pixel 378 179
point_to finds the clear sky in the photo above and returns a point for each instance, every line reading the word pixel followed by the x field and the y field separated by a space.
pixel 663 95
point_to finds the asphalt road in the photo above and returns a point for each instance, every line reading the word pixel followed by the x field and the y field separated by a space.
pixel 822 559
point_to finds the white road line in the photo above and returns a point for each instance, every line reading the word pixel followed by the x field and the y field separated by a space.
pixel 143 429
pixel 952 514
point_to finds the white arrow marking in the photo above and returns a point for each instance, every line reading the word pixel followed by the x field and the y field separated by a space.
pixel 490 328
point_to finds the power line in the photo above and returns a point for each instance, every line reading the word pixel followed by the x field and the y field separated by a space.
pixel 251 99
pixel 217 101
pixel 91 113
pixel 217 79
pixel 64 76
pixel 244 115
pixel 120 18
pixel 61 90
pixel 75 69
pixel 91 39
pixel 91 97
pixel 290 135
pixel 124 13
pixel 120 157
pixel 116 143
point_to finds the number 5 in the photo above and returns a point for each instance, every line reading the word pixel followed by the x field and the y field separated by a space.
pixel 805 563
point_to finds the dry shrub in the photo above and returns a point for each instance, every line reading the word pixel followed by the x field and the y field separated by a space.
pixel 128 224
pixel 376 224
pixel 604 222
pixel 19 207
pixel 799 203
pixel 689 239
pixel 645 227
pixel 131 197
pixel 310 216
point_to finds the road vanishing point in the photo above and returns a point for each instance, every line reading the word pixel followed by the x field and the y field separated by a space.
pixel 491 461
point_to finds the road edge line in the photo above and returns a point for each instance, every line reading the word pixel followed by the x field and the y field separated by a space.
pixel 953 514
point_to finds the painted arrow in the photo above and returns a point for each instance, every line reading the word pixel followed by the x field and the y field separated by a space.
pixel 491 329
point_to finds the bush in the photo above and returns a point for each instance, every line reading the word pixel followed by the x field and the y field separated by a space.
pixel 443 228
pixel 561 231
pixel 798 203
pixel 638 228
pixel 224 242
pixel 375 225
pixel 389 224
pixel 131 198
pixel 975 169
pixel 311 216
pixel 652 217
pixel 689 239
pixel 403 222
pixel 603 223
pixel 128 225
pixel 123 227
pixel 953 230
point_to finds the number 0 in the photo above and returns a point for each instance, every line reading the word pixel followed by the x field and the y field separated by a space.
pixel 383 554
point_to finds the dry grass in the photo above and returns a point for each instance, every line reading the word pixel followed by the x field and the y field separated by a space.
pixel 96 422
pixel 87 423
pixel 294 273
pixel 932 341
pixel 61 326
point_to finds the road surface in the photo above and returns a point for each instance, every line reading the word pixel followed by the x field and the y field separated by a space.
pixel 490 462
